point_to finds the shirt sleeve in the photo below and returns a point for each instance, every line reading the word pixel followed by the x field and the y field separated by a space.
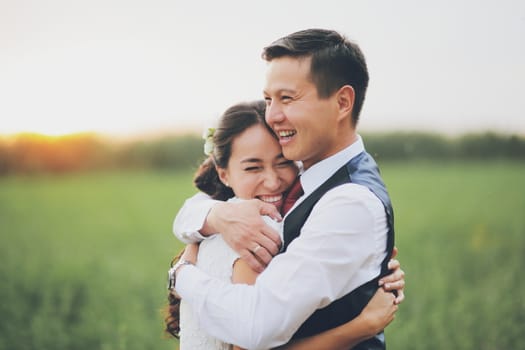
pixel 341 246
pixel 191 218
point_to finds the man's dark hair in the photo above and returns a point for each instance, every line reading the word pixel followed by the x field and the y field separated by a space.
pixel 336 61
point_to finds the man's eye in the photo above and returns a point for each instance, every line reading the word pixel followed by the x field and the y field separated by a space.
pixel 252 168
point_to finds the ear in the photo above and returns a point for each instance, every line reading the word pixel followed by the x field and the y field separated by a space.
pixel 223 175
pixel 345 101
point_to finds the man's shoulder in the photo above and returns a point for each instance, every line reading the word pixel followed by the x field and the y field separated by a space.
pixel 349 192
pixel 347 198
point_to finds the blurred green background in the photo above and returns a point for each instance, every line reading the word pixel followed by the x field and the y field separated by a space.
pixel 84 254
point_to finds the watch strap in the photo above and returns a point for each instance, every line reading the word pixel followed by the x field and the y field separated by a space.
pixel 172 272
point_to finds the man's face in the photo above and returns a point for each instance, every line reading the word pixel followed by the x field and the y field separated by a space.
pixel 305 124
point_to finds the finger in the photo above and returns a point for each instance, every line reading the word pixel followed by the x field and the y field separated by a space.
pixel 400 297
pixel 394 252
pixel 397 285
pixel 395 276
pixel 270 240
pixel 393 264
pixel 252 261
pixel 262 254
pixel 270 210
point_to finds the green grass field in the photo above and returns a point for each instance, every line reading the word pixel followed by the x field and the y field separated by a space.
pixel 84 257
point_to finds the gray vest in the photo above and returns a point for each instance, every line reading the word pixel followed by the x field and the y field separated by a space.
pixel 361 170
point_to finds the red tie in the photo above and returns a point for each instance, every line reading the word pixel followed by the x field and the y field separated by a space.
pixel 295 192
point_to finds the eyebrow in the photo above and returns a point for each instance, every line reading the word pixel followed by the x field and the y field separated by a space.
pixel 257 160
pixel 251 160
pixel 281 91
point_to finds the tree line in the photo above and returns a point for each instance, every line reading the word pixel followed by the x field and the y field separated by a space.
pixel 35 154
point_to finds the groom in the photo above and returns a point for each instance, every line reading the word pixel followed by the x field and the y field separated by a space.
pixel 339 235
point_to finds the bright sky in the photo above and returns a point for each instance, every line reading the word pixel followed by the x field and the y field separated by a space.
pixel 130 66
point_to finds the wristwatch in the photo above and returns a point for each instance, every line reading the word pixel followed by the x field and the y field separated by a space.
pixel 172 273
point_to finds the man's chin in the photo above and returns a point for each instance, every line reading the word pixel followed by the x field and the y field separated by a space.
pixel 291 154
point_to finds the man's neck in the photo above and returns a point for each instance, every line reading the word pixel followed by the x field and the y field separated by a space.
pixel 345 141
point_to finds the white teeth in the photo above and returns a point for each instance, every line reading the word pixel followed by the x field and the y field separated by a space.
pixel 286 133
pixel 270 199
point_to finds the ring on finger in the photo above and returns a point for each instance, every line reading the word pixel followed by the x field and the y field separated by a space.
pixel 256 249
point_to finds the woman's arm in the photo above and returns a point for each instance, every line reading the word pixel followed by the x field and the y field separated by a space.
pixel 378 313
pixel 373 319
pixel 243 273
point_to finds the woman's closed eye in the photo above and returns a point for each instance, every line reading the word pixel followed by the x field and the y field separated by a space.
pixel 253 168
pixel 285 163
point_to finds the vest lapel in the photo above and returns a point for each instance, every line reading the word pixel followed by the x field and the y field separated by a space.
pixel 296 218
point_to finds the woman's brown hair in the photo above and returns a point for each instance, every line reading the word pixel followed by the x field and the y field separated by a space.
pixel 232 123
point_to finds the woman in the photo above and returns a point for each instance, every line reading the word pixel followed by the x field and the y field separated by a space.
pixel 246 162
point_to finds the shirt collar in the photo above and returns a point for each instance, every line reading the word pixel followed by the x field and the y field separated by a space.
pixel 321 171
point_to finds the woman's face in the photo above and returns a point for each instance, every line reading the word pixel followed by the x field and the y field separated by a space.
pixel 257 168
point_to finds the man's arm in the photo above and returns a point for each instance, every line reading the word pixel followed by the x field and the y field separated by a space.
pixel 190 220
pixel 341 246
pixel 240 224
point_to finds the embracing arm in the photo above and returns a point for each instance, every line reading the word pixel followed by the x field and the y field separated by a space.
pixel 373 319
pixel 240 224
pixel 189 223
pixel 378 313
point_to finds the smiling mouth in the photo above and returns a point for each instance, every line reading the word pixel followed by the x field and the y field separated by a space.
pixel 271 199
pixel 286 134
pixel 277 200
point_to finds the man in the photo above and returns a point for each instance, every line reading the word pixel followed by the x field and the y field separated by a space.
pixel 338 237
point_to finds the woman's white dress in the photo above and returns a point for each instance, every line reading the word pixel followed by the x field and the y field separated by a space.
pixel 216 258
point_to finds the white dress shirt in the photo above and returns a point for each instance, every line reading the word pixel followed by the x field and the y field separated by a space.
pixel 191 217
pixel 341 246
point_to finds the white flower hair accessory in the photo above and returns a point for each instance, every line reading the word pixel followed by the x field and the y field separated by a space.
pixel 207 135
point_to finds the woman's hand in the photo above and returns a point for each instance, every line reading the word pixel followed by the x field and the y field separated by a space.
pixel 396 280
pixel 379 311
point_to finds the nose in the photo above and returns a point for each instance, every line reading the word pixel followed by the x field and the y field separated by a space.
pixel 272 181
pixel 274 113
